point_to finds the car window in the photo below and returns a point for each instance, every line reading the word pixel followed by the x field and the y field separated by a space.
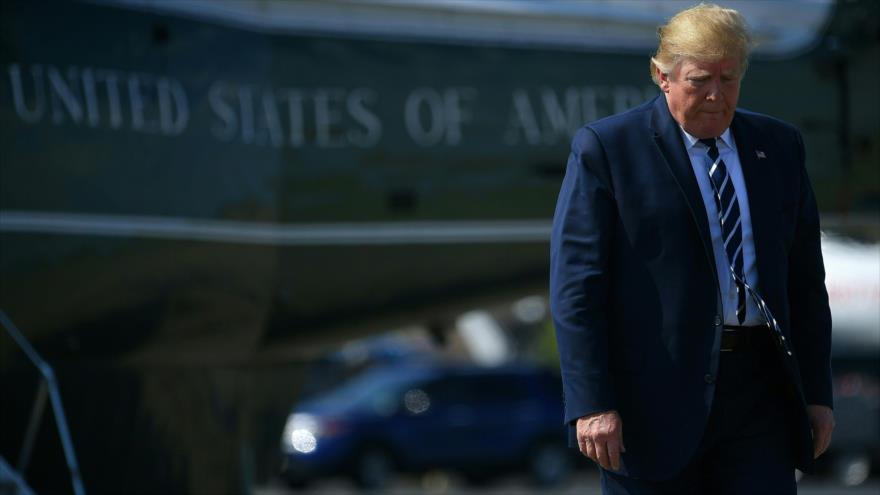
pixel 476 389
pixel 372 388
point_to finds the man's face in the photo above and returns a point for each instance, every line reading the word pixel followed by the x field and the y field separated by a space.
pixel 702 95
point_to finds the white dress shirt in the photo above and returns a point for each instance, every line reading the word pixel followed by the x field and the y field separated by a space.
pixel 700 162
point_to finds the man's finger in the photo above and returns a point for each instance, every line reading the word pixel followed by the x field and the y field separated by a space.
pixel 602 455
pixel 821 440
pixel 821 427
pixel 591 450
pixel 614 454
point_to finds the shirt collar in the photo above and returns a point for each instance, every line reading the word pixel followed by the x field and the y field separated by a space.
pixel 691 141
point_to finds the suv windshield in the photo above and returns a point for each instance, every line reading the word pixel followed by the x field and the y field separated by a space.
pixel 370 387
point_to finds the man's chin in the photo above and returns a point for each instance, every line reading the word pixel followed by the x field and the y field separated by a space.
pixel 709 129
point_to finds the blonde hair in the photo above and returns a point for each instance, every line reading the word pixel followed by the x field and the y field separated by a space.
pixel 706 32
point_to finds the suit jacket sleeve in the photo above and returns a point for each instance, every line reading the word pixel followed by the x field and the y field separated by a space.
pixel 808 298
pixel 581 240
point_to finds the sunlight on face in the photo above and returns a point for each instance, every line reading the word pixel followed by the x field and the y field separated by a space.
pixel 702 96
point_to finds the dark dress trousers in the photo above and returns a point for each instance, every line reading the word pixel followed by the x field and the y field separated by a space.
pixel 634 290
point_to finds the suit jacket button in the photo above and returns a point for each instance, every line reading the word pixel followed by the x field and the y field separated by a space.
pixel 709 378
pixel 717 321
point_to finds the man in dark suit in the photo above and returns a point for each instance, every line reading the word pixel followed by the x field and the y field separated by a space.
pixel 687 283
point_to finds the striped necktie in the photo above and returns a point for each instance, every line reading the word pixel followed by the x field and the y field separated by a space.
pixel 731 223
pixel 731 228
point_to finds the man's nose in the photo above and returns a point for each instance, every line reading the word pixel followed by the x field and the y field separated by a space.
pixel 713 92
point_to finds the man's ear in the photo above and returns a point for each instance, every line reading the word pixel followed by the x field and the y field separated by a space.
pixel 663 80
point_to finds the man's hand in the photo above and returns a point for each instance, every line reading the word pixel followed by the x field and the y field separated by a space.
pixel 600 437
pixel 821 424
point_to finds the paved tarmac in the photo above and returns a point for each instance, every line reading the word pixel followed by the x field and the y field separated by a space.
pixel 438 483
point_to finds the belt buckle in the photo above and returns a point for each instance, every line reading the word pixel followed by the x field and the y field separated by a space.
pixel 730 331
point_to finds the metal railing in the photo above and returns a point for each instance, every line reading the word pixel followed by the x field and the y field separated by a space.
pixel 48 387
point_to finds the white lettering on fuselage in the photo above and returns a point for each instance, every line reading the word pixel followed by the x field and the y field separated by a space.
pixel 446 111
pixel 325 118
pixel 99 97
pixel 547 116
pixel 294 117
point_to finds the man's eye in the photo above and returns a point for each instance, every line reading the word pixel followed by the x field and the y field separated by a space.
pixel 697 81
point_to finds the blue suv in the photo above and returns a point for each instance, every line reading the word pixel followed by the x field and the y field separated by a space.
pixel 412 417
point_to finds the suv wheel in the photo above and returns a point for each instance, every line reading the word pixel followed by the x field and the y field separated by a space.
pixel 373 469
pixel 297 483
pixel 549 463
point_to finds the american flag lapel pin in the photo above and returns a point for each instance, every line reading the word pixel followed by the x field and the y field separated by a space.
pixel 760 154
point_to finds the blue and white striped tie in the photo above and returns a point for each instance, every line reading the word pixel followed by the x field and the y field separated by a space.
pixel 731 230
pixel 731 223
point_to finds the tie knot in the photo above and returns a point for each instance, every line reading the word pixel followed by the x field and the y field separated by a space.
pixel 709 143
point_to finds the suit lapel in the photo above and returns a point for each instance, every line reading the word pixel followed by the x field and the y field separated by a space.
pixel 759 189
pixel 668 138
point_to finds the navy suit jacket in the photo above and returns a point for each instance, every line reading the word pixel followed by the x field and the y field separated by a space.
pixel 634 290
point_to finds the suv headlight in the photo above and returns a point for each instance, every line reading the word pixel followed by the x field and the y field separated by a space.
pixel 301 434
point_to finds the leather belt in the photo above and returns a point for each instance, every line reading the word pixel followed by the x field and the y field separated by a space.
pixel 737 339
